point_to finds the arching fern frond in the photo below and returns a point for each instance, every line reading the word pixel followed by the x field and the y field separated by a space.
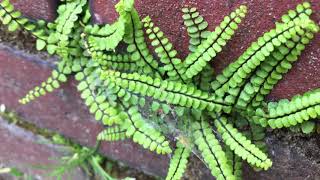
pixel 196 61
pixel 198 33
pixel 57 76
pixel 241 145
pixel 231 82
pixel 271 70
pixel 287 113
pixel 106 37
pixel 138 49
pixel 211 150
pixel 178 162
pixel 171 92
pixel 58 41
pixel 171 64
pixel 143 133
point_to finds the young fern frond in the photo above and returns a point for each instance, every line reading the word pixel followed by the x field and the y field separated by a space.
pixel 241 145
pixel 58 76
pixel 113 133
pixel 174 93
pixel 211 150
pixel 108 36
pixel 198 33
pixel 195 62
pixel 287 113
pixel 196 27
pixel 178 162
pixel 143 133
pixel 165 51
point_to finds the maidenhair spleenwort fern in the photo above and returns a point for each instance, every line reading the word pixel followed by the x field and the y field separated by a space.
pixel 150 97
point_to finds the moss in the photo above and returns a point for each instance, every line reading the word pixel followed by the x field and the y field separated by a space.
pixel 13 118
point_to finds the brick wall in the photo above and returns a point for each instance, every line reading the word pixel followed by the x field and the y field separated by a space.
pixel 63 111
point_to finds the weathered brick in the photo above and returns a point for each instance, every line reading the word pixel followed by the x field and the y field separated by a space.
pixel 37 9
pixel 23 150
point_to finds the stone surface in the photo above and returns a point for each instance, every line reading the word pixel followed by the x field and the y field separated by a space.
pixel 295 157
pixel 24 150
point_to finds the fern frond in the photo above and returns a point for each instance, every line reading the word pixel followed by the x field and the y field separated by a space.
pixel 198 33
pixel 211 150
pixel 57 76
pixel 118 62
pixel 97 102
pixel 143 133
pixel 196 27
pixel 113 133
pixel 302 10
pixel 165 51
pixel 178 162
pixel 171 92
pixel 271 70
pixel 235 163
pixel 59 40
pixel 241 145
pixel 14 20
pixel 231 82
pixel 196 61
pixel 106 37
pixel 138 49
pixel 204 78
pixel 287 113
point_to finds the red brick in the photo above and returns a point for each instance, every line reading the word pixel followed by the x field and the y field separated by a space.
pixel 37 9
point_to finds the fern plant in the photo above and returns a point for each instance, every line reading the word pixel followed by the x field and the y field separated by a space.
pixel 150 98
